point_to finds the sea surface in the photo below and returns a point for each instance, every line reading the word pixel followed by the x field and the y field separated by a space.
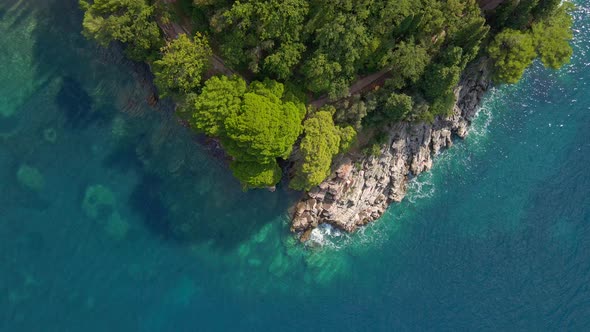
pixel 114 217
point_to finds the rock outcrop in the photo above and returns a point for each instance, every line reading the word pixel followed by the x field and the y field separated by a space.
pixel 362 187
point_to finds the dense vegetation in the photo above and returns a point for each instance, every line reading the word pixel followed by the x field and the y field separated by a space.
pixel 255 123
pixel 543 30
pixel 128 21
pixel 296 50
pixel 182 65
pixel 321 142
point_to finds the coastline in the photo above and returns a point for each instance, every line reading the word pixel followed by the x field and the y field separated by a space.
pixel 361 187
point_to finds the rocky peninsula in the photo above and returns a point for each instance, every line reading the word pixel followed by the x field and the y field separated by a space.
pixel 362 186
pixel 293 91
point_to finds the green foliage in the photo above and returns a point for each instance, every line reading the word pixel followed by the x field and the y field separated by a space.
pixel 545 8
pixel 512 52
pixel 221 98
pixel 265 35
pixel 347 138
pixel 183 63
pixel 321 48
pixel 519 14
pixel 255 125
pixel 265 128
pixel 127 21
pixel 398 106
pixel 321 142
pixel 256 175
pixel 373 150
pixel 354 110
pixel 407 60
pixel 551 37
pixel 443 104
pixel 447 78
pixel 320 73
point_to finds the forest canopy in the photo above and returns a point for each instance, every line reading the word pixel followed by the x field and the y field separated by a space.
pixel 128 21
pixel 254 123
pixel 547 37
pixel 285 54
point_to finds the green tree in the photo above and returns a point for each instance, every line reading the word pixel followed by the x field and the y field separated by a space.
pixel 221 98
pixel 398 106
pixel 255 125
pixel 407 60
pixel 321 142
pixel 256 175
pixel 265 128
pixel 320 73
pixel 551 37
pixel 440 80
pixel 512 52
pixel 265 34
pixel 183 64
pixel 339 33
pixel 347 138
pixel 546 7
pixel 127 21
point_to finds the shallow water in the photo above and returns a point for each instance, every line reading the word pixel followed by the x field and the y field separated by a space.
pixel 496 237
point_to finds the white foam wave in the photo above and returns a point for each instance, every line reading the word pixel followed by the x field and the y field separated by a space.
pixel 481 123
pixel 421 188
pixel 325 235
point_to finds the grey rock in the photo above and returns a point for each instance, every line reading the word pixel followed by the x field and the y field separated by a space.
pixel 355 195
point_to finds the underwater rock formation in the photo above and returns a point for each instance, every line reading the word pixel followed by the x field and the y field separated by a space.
pixel 30 178
pixel 98 201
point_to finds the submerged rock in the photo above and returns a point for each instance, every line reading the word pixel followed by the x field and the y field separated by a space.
pixel 118 127
pixel 117 227
pixel 362 186
pixel 30 178
pixel 98 201
pixel 50 135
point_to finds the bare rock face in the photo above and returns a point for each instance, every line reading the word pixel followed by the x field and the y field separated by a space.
pixel 361 187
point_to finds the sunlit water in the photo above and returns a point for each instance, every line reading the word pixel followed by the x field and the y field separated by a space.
pixel 112 217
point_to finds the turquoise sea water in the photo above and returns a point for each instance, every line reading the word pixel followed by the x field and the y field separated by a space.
pixel 112 217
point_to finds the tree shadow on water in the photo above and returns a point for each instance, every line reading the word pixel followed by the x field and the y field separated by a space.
pixel 123 158
pixel 57 48
pixel 224 217
pixel 76 104
pixel 145 201
pixel 16 10
pixel 179 197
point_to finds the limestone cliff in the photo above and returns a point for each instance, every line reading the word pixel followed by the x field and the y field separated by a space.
pixel 362 187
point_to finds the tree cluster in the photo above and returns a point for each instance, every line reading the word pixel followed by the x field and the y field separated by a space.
pixel 295 50
pixel 254 123
pixel 322 140
pixel 513 50
pixel 128 21
pixel 326 45
pixel 182 64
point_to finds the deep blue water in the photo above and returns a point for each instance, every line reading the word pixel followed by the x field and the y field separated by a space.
pixel 496 237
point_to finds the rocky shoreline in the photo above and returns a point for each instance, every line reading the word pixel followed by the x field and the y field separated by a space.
pixel 361 187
